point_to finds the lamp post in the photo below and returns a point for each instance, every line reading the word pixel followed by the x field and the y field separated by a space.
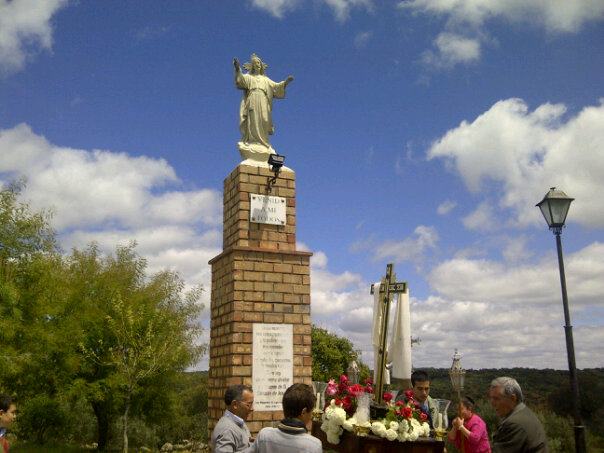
pixel 353 372
pixel 554 208
pixel 457 375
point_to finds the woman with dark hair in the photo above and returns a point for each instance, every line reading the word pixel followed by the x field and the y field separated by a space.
pixel 469 431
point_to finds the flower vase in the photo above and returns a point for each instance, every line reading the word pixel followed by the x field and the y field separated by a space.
pixel 440 420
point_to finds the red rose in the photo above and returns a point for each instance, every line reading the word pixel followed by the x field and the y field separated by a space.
pixel 423 417
pixel 407 412
pixel 400 403
pixel 369 388
pixel 387 397
pixel 347 403
pixel 356 390
pixel 409 394
pixel 343 379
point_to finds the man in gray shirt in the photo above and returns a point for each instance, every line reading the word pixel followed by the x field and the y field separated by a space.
pixel 231 434
pixel 520 431
pixel 291 435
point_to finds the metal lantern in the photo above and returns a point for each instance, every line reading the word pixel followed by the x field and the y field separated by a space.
pixel 554 208
pixel 353 372
pixel 457 373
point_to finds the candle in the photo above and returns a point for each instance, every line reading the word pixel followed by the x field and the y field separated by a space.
pixel 440 421
pixel 318 405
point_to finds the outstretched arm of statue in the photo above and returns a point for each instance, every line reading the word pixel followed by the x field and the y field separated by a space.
pixel 236 65
pixel 289 79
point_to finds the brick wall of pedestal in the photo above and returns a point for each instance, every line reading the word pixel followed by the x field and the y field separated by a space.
pixel 258 278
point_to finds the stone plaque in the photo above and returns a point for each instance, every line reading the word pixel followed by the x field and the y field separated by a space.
pixel 267 209
pixel 272 364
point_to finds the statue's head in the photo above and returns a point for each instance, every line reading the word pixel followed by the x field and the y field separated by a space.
pixel 255 65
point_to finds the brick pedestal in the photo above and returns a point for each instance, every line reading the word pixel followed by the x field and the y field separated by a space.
pixel 258 278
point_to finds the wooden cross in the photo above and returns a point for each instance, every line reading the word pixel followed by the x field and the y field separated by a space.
pixel 389 286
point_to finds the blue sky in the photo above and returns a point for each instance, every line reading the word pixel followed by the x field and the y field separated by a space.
pixel 422 133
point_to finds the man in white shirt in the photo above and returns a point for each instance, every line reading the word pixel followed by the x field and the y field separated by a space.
pixel 231 434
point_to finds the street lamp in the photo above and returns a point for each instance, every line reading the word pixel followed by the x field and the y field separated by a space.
pixel 457 375
pixel 554 208
pixel 353 372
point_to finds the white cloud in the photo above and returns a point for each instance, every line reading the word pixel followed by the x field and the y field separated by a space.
pixel 340 8
pixel 515 249
pixel 113 199
pixel 481 219
pixel 497 314
pixel 24 26
pixel 411 248
pixel 277 8
pixel 318 260
pixel 513 284
pixel 525 153
pixel 554 15
pixel 446 207
pixel 452 49
pixel 92 188
pixel 360 41
pixel 472 17
pixel 503 315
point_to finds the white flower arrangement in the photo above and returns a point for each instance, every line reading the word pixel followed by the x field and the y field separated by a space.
pixel 335 417
pixel 402 429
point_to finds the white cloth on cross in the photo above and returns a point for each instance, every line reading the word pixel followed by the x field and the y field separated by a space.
pixel 398 351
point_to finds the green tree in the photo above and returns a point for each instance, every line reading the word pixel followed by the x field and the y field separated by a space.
pixel 332 354
pixel 137 331
pixel 32 310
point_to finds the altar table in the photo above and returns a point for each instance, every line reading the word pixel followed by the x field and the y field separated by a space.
pixel 350 443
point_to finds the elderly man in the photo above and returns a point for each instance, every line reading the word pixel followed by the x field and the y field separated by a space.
pixel 231 434
pixel 519 431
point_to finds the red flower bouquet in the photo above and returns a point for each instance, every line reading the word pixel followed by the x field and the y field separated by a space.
pixel 346 394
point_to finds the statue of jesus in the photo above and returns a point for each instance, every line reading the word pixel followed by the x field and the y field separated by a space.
pixel 255 112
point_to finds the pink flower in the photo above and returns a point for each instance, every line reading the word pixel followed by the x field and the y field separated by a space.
pixel 344 379
pixel 332 388
pixel 387 397
pixel 423 417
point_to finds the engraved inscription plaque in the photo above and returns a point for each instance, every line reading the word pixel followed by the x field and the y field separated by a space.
pixel 267 209
pixel 272 364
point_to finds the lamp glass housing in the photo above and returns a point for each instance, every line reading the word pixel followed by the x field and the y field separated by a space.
pixel 457 373
pixel 554 207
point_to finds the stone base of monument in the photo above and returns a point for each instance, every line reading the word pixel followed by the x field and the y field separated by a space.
pixel 260 302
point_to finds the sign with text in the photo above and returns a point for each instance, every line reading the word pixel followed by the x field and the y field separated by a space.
pixel 267 209
pixel 272 364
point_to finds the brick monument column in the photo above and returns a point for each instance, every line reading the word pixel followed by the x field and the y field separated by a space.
pixel 259 278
